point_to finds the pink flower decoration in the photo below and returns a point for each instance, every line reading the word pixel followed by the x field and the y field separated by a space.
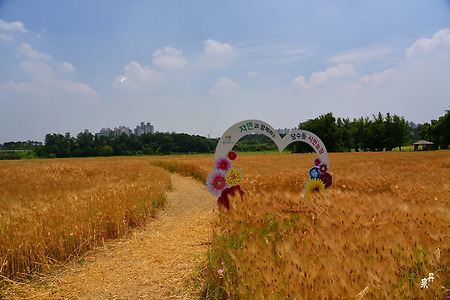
pixel 317 162
pixel 216 182
pixel 323 168
pixel 223 163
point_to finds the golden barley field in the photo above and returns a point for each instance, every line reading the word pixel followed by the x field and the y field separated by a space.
pixel 52 211
pixel 380 232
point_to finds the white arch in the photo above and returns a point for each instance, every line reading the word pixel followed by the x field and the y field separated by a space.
pixel 243 128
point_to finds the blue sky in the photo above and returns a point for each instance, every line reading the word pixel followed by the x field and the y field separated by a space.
pixel 201 66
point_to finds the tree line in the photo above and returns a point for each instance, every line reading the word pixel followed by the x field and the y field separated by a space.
pixel 379 133
pixel 437 131
pixel 362 134
pixel 87 144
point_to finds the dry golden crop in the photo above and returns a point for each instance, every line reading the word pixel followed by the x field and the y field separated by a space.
pixel 378 233
pixel 381 231
pixel 55 210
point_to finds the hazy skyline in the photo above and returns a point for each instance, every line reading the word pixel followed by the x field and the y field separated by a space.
pixel 200 66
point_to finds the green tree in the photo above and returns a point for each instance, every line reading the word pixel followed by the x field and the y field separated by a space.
pixel 325 128
pixel 399 131
pixel 106 151
pixel 376 133
pixel 440 131
pixel 389 129
pixel 59 145
pixel 165 143
pixel 445 131
pixel 345 130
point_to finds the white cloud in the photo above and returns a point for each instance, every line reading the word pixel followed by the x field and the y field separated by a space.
pixel 361 55
pixel 38 70
pixel 49 75
pixel 84 91
pixel 66 67
pixel 5 36
pixel 25 50
pixel 169 58
pixel 339 71
pixel 299 81
pixel 331 76
pixel 12 26
pixel 21 88
pixel 137 76
pixel 376 78
pixel 214 48
pixel 142 73
pixel 417 87
pixel 216 55
pixel 271 53
pixel 223 87
pixel 41 68
pixel 43 78
pixel 426 45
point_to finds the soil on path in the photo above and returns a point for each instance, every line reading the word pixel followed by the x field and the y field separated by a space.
pixel 156 260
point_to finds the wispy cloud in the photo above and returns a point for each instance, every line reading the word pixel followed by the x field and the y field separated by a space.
pixel 216 55
pixel 224 87
pixel 66 67
pixel 9 29
pixel 46 79
pixel 169 58
pixel 138 77
pixel 363 55
pixel 417 82
pixel 26 51
pixel 334 73
pixel 263 52
pixel 215 48
pixel 12 26
pixel 427 45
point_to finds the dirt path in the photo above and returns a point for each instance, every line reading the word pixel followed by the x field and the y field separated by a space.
pixel 155 262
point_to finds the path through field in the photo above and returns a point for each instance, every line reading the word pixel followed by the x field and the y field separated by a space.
pixel 155 261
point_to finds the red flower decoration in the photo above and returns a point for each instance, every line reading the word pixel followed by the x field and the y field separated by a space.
pixel 224 199
pixel 327 179
pixel 223 202
pixel 232 155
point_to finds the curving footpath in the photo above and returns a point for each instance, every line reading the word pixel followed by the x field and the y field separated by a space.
pixel 156 260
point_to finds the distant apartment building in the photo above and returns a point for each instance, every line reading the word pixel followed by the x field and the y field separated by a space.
pixel 140 129
pixel 105 132
pixel 122 129
pixel 144 128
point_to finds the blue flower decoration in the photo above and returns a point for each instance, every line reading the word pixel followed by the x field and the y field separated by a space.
pixel 314 173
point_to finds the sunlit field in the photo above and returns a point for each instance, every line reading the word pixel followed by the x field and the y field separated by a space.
pixel 52 211
pixel 380 232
